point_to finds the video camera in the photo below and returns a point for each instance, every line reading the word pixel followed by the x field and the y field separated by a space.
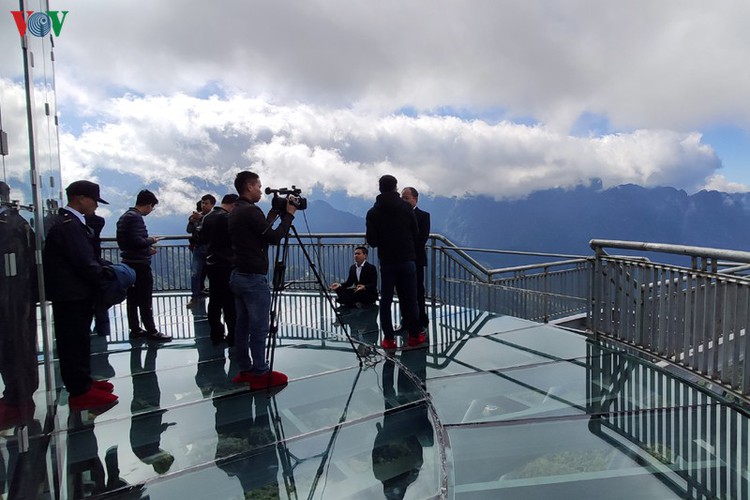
pixel 292 196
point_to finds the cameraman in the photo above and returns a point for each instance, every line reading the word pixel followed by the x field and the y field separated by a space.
pixel 251 232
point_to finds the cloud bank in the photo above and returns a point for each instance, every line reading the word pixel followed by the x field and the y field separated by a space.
pixel 491 97
pixel 166 140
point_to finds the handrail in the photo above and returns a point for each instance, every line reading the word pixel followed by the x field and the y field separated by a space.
pixel 691 251
pixel 529 267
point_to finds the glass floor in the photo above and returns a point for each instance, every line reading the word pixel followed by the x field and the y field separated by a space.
pixel 494 407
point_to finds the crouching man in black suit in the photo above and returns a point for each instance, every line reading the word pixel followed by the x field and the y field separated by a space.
pixel 361 287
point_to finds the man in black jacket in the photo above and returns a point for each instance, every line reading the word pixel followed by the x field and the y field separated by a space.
pixel 361 287
pixel 214 235
pixel 251 233
pixel 392 228
pixel 411 196
pixel 72 273
pixel 136 249
pixel 198 247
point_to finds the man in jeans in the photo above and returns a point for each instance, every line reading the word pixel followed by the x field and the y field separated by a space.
pixel 251 232
pixel 392 229
pixel 136 249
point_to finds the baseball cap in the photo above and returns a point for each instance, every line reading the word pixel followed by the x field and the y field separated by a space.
pixel 85 188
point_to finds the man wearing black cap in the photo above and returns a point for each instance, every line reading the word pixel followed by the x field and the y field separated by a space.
pixel 72 273
pixel 392 229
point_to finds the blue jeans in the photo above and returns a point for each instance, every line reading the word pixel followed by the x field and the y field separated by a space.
pixel 402 276
pixel 198 268
pixel 252 299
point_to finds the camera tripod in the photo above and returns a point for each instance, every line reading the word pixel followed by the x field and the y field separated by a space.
pixel 278 286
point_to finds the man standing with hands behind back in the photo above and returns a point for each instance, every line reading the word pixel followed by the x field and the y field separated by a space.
pixel 411 196
pixel 392 229
pixel 136 249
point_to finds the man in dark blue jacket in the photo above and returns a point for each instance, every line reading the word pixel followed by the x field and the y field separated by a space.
pixel 392 229
pixel 72 274
pixel 136 249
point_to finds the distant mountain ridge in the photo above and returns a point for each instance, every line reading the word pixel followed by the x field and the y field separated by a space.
pixel 555 220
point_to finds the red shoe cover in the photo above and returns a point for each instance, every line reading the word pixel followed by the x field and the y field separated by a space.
pixel 102 385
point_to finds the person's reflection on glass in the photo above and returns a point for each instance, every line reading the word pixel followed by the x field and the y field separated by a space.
pixel 18 336
pixel 211 375
pixel 146 426
pixel 101 368
pixel 243 426
pixel 397 454
pixel 363 327
pixel 86 473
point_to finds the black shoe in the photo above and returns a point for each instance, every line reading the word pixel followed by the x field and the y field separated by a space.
pixel 159 336
pixel 134 334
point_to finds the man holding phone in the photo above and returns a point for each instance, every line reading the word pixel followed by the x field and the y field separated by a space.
pixel 136 249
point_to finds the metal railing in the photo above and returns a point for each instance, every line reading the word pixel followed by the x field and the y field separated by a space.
pixel 538 292
pixel 690 438
pixel 696 316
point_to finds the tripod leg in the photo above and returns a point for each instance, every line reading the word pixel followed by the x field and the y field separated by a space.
pixel 279 271
pixel 326 292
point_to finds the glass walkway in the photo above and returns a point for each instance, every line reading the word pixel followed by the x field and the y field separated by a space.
pixel 494 407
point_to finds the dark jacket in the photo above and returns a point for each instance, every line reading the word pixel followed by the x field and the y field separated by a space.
pixel 132 238
pixel 251 233
pixel 71 267
pixel 215 235
pixel 368 277
pixel 96 223
pixel 392 228
pixel 194 229
pixel 423 221
pixel 114 289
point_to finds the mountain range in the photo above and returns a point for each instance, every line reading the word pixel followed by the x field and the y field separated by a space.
pixel 555 221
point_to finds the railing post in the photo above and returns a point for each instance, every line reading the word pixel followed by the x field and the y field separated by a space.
pixel 596 292
pixel 545 294
pixel 433 271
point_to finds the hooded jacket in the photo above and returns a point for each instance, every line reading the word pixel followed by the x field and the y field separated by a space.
pixel 392 228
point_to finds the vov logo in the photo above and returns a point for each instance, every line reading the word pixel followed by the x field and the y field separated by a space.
pixel 39 23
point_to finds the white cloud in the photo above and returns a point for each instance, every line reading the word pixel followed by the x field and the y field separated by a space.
pixel 672 64
pixel 168 140
pixel 718 182
pixel 310 92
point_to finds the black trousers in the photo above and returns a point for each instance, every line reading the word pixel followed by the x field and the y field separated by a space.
pixel 348 297
pixel 140 297
pixel 220 299
pixel 72 323
pixel 423 319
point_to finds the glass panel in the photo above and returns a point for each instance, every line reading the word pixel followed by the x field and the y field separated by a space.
pixel 559 459
pixel 396 456
pixel 29 160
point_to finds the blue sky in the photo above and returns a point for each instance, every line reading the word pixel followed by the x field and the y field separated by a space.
pixel 482 97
